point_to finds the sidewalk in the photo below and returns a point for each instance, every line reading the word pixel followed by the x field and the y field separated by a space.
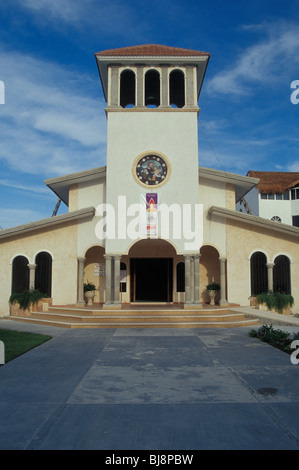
pixel 149 389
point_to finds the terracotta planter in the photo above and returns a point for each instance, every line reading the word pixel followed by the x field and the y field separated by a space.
pixel 285 310
pixel 15 309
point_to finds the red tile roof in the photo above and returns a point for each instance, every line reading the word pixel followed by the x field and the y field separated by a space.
pixel 151 50
pixel 275 181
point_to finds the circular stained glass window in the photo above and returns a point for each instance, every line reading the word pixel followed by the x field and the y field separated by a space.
pixel 151 170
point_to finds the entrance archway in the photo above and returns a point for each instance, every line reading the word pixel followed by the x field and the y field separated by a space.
pixel 210 269
pixel 151 271
pixel 94 271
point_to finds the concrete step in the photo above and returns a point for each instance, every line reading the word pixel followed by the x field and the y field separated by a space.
pixel 227 324
pixel 132 318
pixel 81 318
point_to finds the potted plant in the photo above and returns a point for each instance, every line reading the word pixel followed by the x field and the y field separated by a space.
pixel 212 289
pixel 89 291
pixel 23 302
pixel 277 302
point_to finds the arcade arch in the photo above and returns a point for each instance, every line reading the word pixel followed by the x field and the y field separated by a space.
pixel 94 271
pixel 209 270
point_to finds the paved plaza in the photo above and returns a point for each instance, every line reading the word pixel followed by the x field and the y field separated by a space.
pixel 149 389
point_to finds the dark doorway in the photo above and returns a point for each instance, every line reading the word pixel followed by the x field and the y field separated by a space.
pixel 151 280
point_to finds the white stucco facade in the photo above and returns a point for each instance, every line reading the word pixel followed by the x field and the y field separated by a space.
pixel 87 245
pixel 173 135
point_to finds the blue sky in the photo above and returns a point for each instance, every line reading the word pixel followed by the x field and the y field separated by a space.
pixel 53 120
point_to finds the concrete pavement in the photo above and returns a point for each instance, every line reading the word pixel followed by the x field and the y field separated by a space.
pixel 149 389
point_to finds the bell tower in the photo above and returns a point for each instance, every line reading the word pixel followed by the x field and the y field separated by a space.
pixel 151 93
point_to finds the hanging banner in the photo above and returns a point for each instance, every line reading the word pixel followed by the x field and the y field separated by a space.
pixel 149 214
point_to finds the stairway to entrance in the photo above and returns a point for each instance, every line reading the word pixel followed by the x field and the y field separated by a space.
pixel 138 317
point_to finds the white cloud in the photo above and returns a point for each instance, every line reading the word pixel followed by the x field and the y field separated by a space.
pixel 66 10
pixel 293 166
pixel 12 184
pixel 97 16
pixel 265 63
pixel 51 122
pixel 12 217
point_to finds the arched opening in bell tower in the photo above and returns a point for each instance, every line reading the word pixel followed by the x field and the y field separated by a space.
pixel 152 88
pixel 177 89
pixel 127 88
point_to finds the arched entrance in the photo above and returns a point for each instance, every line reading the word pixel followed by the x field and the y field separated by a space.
pixel 209 270
pixel 94 271
pixel 152 271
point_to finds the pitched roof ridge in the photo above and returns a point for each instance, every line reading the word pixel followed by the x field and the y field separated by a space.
pixel 151 50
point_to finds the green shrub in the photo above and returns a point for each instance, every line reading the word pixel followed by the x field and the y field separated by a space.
pixel 276 300
pixel 213 286
pixel 89 286
pixel 277 338
pixel 26 298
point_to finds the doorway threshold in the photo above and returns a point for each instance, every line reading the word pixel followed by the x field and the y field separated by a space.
pixel 150 302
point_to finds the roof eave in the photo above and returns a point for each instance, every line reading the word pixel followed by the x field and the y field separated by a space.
pixel 254 220
pixel 47 223
pixel 243 184
pixel 60 185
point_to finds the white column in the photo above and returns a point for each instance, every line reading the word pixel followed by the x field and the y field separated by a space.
pixel 117 279
pixel 164 87
pixel 140 87
pixel 114 103
pixel 196 281
pixel 187 279
pixel 80 297
pixel 108 279
pixel 270 267
pixel 32 268
pixel 223 300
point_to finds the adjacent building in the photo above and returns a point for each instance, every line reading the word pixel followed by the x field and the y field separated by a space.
pixel 276 197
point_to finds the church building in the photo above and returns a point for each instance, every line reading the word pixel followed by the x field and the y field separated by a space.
pixel 152 225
